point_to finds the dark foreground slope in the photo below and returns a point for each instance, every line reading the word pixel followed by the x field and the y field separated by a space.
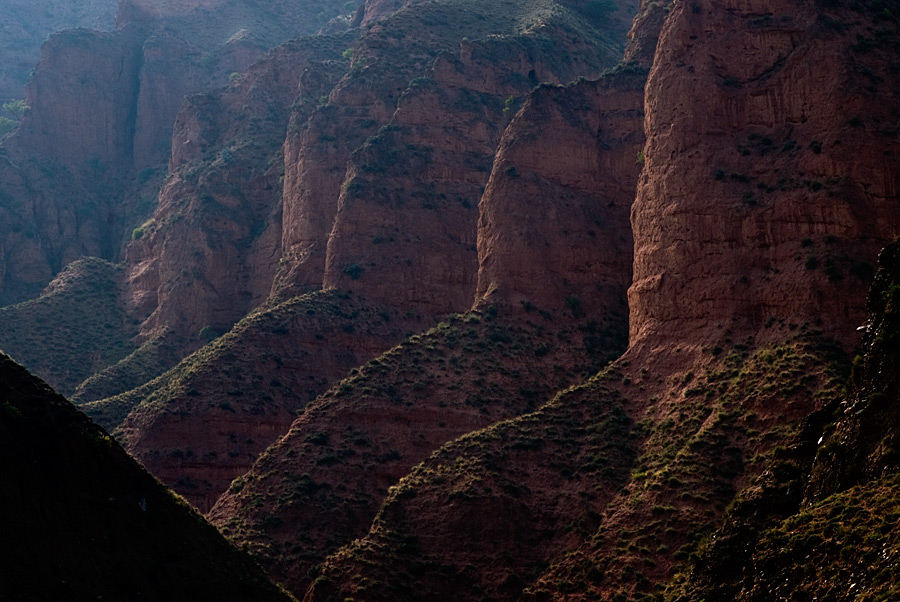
pixel 82 521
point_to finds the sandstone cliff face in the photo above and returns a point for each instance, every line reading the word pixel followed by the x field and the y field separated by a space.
pixel 409 401
pixel 82 100
pixel 43 231
pixel 800 225
pixel 197 45
pixel 63 166
pixel 772 201
pixel 568 166
pixel 27 24
pixel 185 292
pixel 442 132
pixel 102 108
pixel 210 252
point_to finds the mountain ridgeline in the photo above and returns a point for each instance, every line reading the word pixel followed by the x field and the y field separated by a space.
pixel 532 300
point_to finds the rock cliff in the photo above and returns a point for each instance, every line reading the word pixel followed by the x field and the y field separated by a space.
pixel 538 326
pixel 721 194
pixel 27 24
pixel 209 253
pixel 401 248
pixel 568 165
pixel 756 223
pixel 102 109
pixel 821 507
pixel 771 203
pixel 407 70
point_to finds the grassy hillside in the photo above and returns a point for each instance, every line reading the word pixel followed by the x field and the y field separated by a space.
pixel 77 327
pixel 611 485
pixel 327 477
pixel 202 423
pixel 820 524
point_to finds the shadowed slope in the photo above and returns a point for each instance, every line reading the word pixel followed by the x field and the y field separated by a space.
pixel 82 520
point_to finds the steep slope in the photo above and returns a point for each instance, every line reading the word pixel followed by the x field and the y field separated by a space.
pixel 326 478
pixel 209 253
pixel 752 223
pixel 154 356
pixel 102 107
pixel 26 25
pixel 204 422
pixel 559 199
pixel 380 208
pixel 820 522
pixel 861 448
pixel 82 520
pixel 527 339
pixel 472 57
pixel 612 504
pixel 77 327
pixel 773 202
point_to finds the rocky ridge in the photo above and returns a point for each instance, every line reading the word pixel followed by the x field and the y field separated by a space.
pixel 755 228
pixel 671 343
pixel 102 105
pixel 27 25
pixel 415 273
pixel 77 327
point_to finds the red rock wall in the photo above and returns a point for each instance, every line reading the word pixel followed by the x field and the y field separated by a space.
pixel 82 99
pixel 560 196
pixel 767 190
pixel 214 244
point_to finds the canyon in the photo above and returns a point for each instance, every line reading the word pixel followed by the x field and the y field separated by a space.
pixel 456 300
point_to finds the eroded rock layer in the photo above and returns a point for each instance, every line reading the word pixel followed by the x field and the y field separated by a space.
pixel 771 175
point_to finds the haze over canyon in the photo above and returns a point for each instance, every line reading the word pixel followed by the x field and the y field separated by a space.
pixel 404 300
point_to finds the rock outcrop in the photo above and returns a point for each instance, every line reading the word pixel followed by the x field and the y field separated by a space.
pixel 27 24
pixel 102 109
pixel 404 404
pixel 568 165
pixel 407 70
pixel 771 203
pixel 755 225
pixel 821 507
pixel 209 254
pixel 402 248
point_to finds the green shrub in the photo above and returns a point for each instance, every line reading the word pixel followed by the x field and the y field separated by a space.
pixel 354 271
